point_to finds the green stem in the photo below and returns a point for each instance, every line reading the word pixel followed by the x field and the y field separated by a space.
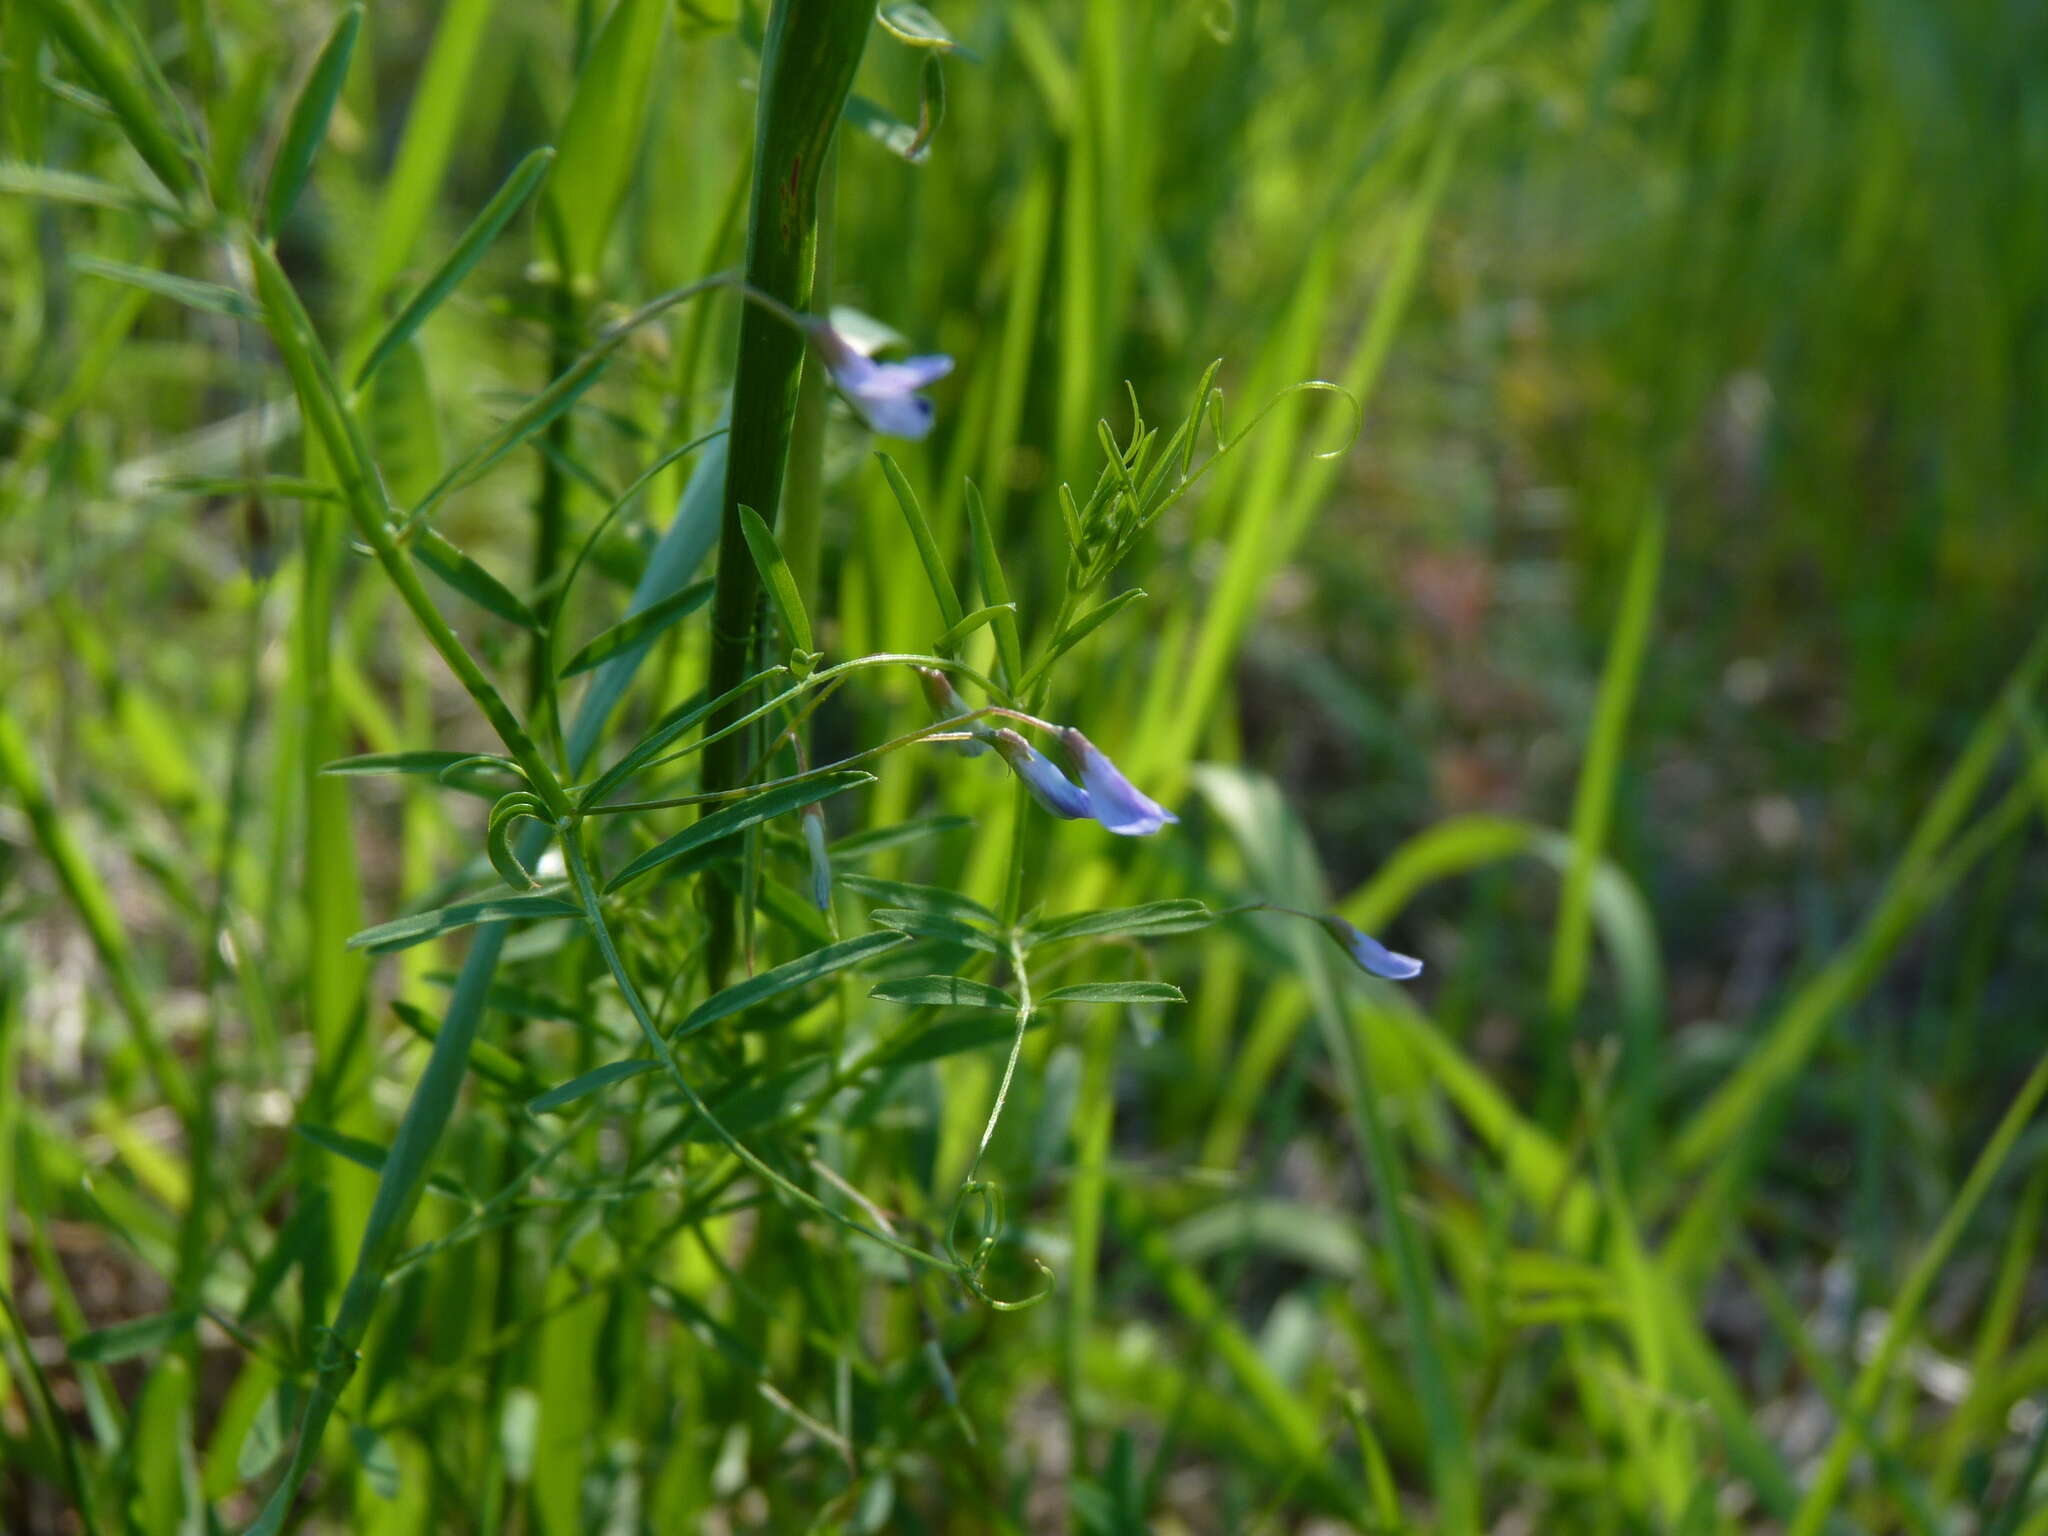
pixel 320 398
pixel 808 59
pixel 593 912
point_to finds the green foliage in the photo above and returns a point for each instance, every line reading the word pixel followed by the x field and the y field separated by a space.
pixel 1619 587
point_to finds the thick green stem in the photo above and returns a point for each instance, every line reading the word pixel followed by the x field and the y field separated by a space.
pixel 808 59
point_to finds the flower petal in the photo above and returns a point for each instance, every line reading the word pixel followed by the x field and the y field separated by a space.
pixel 913 372
pixel 1370 954
pixel 907 416
pixel 1119 804
pixel 1049 787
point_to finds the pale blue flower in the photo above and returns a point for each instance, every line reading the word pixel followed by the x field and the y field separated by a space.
pixel 1115 802
pixel 885 394
pixel 1370 954
pixel 1049 787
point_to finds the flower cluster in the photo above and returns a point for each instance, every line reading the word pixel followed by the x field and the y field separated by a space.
pixel 1103 795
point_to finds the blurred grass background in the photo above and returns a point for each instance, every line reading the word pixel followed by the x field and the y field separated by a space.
pixel 1660 663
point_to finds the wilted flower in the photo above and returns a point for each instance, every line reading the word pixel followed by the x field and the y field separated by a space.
pixel 821 862
pixel 1049 787
pixel 1370 954
pixel 885 394
pixel 948 705
pixel 1117 803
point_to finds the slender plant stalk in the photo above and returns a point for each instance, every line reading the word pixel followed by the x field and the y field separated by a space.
pixel 808 59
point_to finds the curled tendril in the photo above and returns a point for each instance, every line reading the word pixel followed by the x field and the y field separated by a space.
pixel 521 804
pixel 1225 442
pixel 971 1269
pixel 450 774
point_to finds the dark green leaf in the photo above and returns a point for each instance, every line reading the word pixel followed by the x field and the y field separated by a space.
pixel 137 1336
pixel 763 1103
pixel 927 546
pixel 948 644
pixel 364 1154
pixel 279 487
pixel 435 764
pixel 602 132
pixel 404 932
pixel 796 973
pixel 122 85
pixel 1154 919
pixel 189 291
pixel 499 1068
pixel 936 925
pixel 367 1154
pixel 737 817
pixel 1116 992
pixel 469 250
pixel 470 579
pixel 919 898
pixel 995 587
pixel 639 628
pixel 591 1082
pixel 1078 631
pixel 776 577
pixel 307 126
pixel 17 180
pixel 298 1241
pixel 667 729
pixel 956 1036
pixel 857 845
pixel 943 992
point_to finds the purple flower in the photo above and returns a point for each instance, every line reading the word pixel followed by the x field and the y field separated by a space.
pixel 1371 955
pixel 1049 787
pixel 885 394
pixel 1117 803
pixel 948 705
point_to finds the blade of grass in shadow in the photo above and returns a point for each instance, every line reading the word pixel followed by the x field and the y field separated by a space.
pixel 1903 1316
pixel 1795 1032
